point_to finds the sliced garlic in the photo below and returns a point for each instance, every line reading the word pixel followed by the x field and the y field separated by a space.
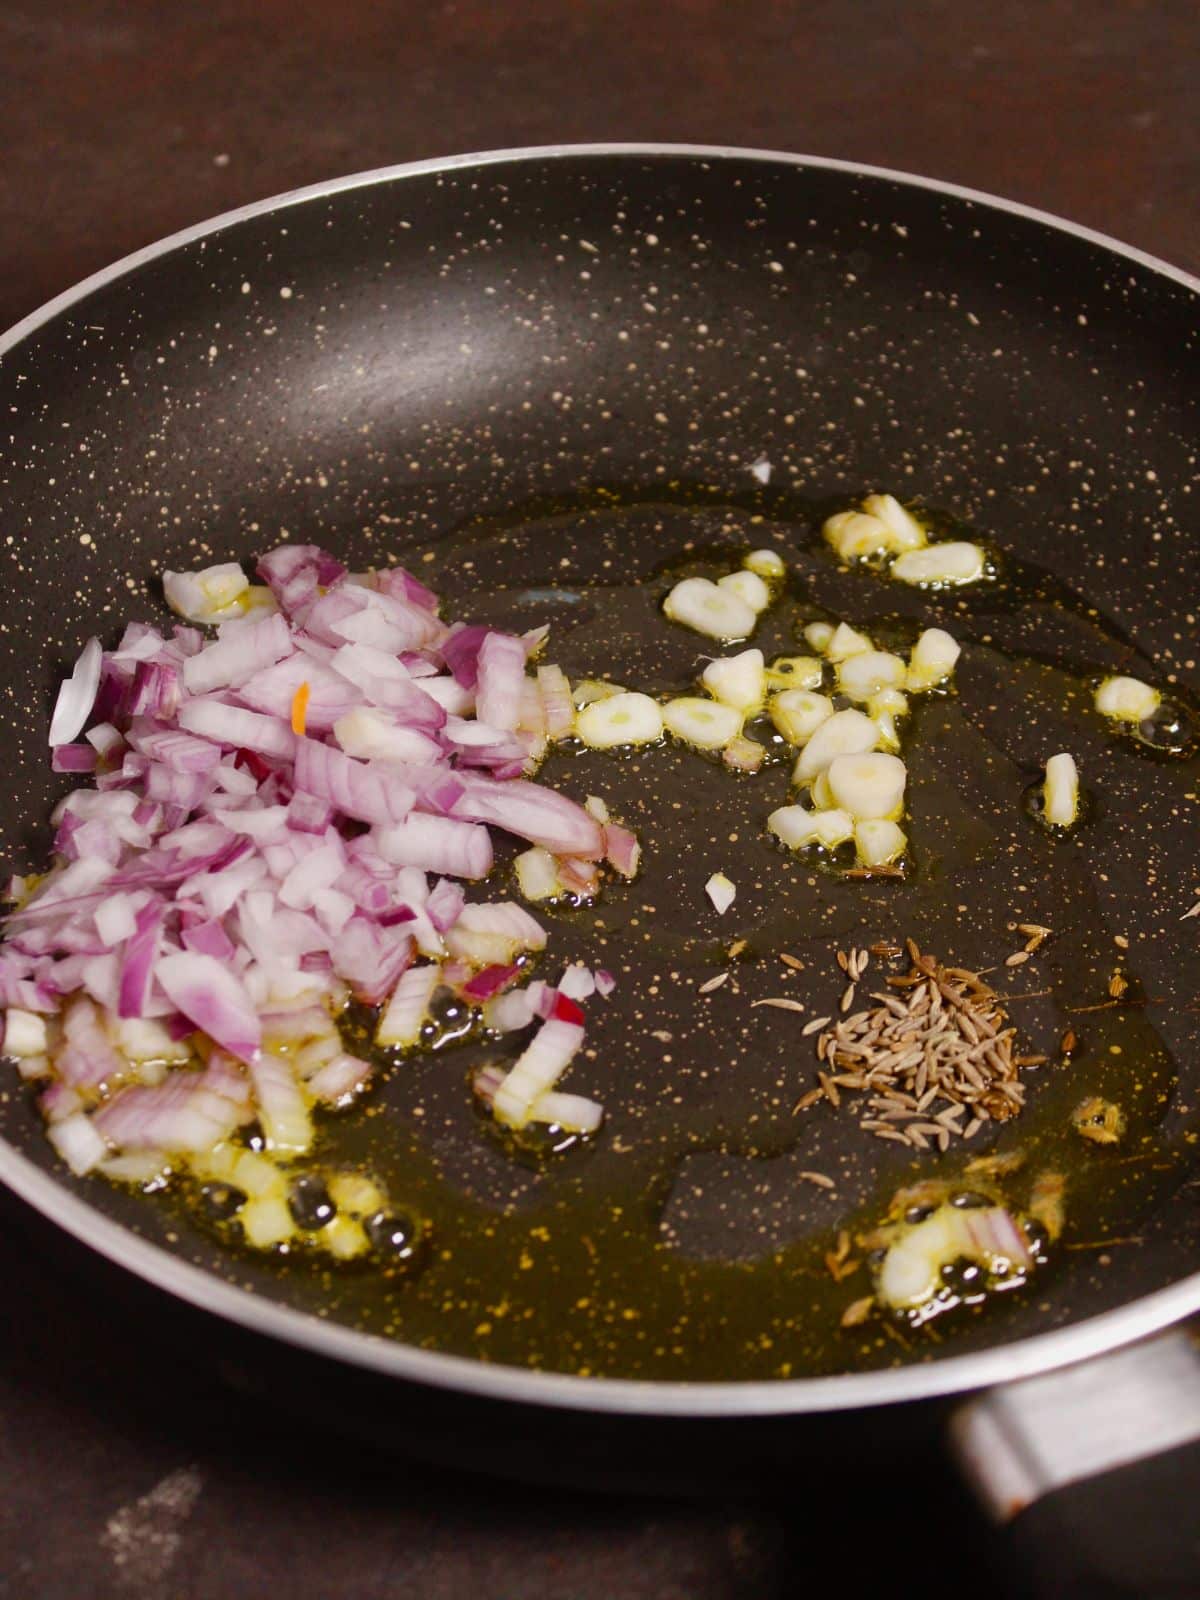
pixel 893 700
pixel 537 875
pixel 706 724
pixel 718 612
pixel 1127 699
pixel 879 842
pixel 954 562
pixel 846 733
pixel 622 719
pixel 1061 791
pixel 794 672
pixel 820 793
pixel 767 563
pixel 796 826
pixel 738 681
pixel 818 634
pixel 868 671
pixel 868 786
pixel 933 658
pixel 853 535
pixel 748 586
pixel 798 713
pixel 889 734
pixel 722 891
pixel 904 531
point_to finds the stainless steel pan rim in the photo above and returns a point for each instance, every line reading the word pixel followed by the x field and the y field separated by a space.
pixel 634 1397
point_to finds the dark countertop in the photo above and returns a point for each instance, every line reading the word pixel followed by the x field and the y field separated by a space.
pixel 125 1472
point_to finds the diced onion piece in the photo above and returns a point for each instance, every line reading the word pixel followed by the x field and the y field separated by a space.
pixel 748 586
pixel 266 1221
pixel 537 875
pixel 78 1143
pixel 933 659
pixel 344 1238
pixel 817 636
pixel 738 681
pixel 703 605
pixel 408 1009
pixel 954 562
pixel 1061 791
pixel 868 671
pixel 766 563
pixel 621 719
pixel 24 1033
pixel 879 842
pixel 706 724
pixel 846 733
pixel 846 641
pixel 796 826
pixel 282 1110
pixel 558 709
pixel 853 535
pixel 795 672
pixel 904 531
pixel 254 1174
pixel 356 1193
pixel 869 785
pixel 571 1112
pixel 722 891
pixel 743 755
pixel 1127 699
pixel 77 695
pixel 911 1272
pixel 798 713
pixel 543 1062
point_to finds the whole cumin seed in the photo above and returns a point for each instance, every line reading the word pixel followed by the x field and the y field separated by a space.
pixel 934 1042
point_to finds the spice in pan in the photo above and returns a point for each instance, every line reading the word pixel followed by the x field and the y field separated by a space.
pixel 933 1057
pixel 1099 1121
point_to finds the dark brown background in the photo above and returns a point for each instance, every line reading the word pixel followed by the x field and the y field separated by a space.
pixel 122 122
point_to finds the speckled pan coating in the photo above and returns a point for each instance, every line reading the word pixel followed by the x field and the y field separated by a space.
pixel 388 359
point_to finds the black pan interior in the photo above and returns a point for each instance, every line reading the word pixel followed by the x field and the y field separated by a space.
pixel 591 350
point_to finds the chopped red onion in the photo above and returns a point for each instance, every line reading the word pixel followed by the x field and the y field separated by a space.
pixel 77 695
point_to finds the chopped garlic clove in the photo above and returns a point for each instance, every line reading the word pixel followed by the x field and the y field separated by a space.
pixel 865 673
pixel 904 531
pixel 743 755
pixel 893 700
pixel 797 826
pixel 1127 699
pixel 748 586
pixel 709 609
pixel 868 786
pixel 1061 791
pixel 798 713
pixel 852 535
pixel 794 672
pixel 818 634
pixel 846 733
pixel 622 719
pixel 706 724
pixel 738 681
pixel 537 875
pixel 933 659
pixel 846 641
pixel 889 734
pixel 589 689
pixel 879 842
pixel 767 563
pixel 821 794
pixel 951 563
pixel 721 891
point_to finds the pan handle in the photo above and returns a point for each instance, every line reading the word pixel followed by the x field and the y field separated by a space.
pixel 1094 1472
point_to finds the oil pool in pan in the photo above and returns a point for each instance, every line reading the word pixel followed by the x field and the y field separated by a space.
pixel 683 1241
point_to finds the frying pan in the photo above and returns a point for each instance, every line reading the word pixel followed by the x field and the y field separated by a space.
pixel 419 348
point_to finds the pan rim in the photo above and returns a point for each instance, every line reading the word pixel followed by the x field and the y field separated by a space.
pixel 644 1397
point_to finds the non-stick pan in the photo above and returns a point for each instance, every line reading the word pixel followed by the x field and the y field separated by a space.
pixel 539 339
